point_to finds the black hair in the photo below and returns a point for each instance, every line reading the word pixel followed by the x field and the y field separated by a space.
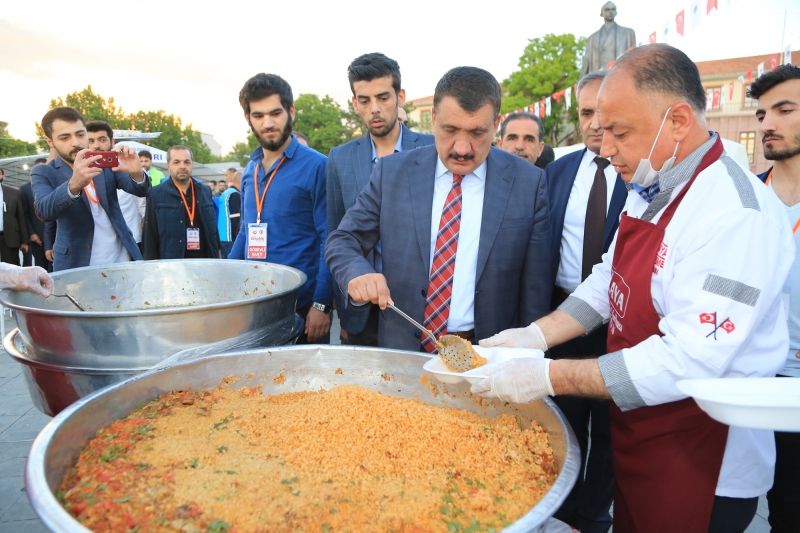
pixel 768 80
pixel 301 135
pixel 100 125
pixel 223 181
pixel 372 66
pixel 546 157
pixel 146 153
pixel 472 88
pixel 231 169
pixel 664 69
pixel 516 116
pixel 263 86
pixel 597 75
pixel 67 114
pixel 213 181
pixel 179 147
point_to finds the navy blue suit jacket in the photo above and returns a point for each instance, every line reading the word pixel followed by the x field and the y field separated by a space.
pixel 75 229
pixel 348 171
pixel 560 178
pixel 512 282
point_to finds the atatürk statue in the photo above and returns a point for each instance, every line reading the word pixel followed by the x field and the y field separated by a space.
pixel 608 43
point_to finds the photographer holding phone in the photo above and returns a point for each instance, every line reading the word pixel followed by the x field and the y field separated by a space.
pixel 83 197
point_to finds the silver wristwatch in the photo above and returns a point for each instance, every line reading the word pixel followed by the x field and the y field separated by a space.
pixel 322 307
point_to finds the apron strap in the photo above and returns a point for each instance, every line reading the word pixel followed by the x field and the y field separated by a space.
pixel 709 159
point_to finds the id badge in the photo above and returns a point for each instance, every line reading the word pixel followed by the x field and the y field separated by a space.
pixel 257 241
pixel 192 238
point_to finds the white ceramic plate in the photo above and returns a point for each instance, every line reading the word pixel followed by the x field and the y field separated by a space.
pixel 756 403
pixel 494 355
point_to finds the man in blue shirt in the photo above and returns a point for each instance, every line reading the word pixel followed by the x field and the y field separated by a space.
pixel 284 209
pixel 378 98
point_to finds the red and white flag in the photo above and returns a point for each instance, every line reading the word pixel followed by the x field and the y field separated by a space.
pixel 708 318
pixel 680 18
pixel 542 108
pixel 728 326
pixel 653 38
pixel 760 69
pixel 715 99
pixel 773 62
pixel 547 106
pixel 749 77
pixel 730 91
pixel 712 4
pixel 536 109
pixel 567 96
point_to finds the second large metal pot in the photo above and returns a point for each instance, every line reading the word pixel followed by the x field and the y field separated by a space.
pixel 138 313
pixel 391 372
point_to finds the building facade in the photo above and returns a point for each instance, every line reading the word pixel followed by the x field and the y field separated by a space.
pixel 729 111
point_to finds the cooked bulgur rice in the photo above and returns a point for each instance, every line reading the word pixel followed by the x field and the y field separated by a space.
pixel 343 460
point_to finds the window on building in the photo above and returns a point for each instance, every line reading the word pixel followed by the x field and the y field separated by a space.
pixel 748 140
pixel 425 121
pixel 710 98
pixel 748 102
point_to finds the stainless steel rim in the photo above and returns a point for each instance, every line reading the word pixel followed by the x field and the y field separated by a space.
pixel 5 302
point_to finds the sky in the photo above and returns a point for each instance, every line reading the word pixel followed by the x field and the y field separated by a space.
pixel 191 59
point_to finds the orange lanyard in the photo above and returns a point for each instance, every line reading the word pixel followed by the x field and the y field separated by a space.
pixel 797 224
pixel 186 204
pixel 91 192
pixel 260 202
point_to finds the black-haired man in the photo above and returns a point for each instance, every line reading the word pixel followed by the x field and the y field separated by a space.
pixel 522 134
pixel 283 201
pixel 690 288
pixel 101 138
pixel 464 275
pixel 146 159
pixel 377 98
pixel 83 199
pixel 13 228
pixel 778 95
pixel 180 221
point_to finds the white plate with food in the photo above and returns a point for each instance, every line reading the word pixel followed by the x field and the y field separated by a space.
pixel 756 403
pixel 493 355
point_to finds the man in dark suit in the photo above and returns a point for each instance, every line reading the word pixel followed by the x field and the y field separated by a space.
pixel 91 229
pixel 377 98
pixel 35 226
pixel 469 275
pixel 14 231
pixel 586 199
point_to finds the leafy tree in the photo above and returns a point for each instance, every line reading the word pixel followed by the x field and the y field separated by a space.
pixel 241 150
pixel 548 64
pixel 94 107
pixel 412 124
pixel 321 121
pixel 12 147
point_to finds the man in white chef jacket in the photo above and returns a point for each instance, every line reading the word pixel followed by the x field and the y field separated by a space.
pixel 691 288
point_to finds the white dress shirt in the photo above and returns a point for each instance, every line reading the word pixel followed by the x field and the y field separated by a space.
pixel 569 269
pixel 107 247
pixel 133 212
pixel 462 301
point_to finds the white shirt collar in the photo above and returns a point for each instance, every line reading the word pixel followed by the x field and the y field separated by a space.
pixel 479 172
pixel 588 158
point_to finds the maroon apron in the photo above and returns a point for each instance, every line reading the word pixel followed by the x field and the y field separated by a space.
pixel 667 458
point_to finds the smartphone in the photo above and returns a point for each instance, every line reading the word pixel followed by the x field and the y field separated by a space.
pixel 108 159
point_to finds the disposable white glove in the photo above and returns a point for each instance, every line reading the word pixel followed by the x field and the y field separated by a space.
pixel 530 337
pixel 33 279
pixel 517 381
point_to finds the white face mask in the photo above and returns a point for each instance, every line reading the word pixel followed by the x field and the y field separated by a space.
pixel 645 175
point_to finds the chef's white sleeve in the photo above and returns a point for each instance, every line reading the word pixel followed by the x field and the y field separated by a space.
pixel 722 300
pixel 589 303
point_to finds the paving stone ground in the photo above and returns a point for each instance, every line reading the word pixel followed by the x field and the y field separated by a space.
pixel 20 422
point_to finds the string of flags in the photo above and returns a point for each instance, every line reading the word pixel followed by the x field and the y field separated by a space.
pixel 686 20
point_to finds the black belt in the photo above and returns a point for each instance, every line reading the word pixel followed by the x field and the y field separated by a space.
pixel 468 335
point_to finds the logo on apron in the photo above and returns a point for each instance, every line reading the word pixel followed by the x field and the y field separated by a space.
pixel 618 295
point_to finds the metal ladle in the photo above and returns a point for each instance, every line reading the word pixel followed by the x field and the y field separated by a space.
pixel 456 352
pixel 71 299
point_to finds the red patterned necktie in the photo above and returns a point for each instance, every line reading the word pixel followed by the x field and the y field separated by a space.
pixel 440 287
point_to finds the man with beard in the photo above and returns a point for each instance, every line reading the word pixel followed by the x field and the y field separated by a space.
pixel 13 230
pixel 521 134
pixel 378 98
pixel 283 201
pixel 83 199
pixel 101 138
pixel 180 222
pixel 467 275
pixel 778 95
pixel 146 159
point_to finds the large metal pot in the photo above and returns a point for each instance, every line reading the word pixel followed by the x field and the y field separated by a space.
pixel 57 447
pixel 138 313
pixel 53 388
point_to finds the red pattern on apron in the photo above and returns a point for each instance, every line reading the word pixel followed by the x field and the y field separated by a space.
pixel 667 458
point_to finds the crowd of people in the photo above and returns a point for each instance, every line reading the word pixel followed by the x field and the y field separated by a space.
pixel 648 257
